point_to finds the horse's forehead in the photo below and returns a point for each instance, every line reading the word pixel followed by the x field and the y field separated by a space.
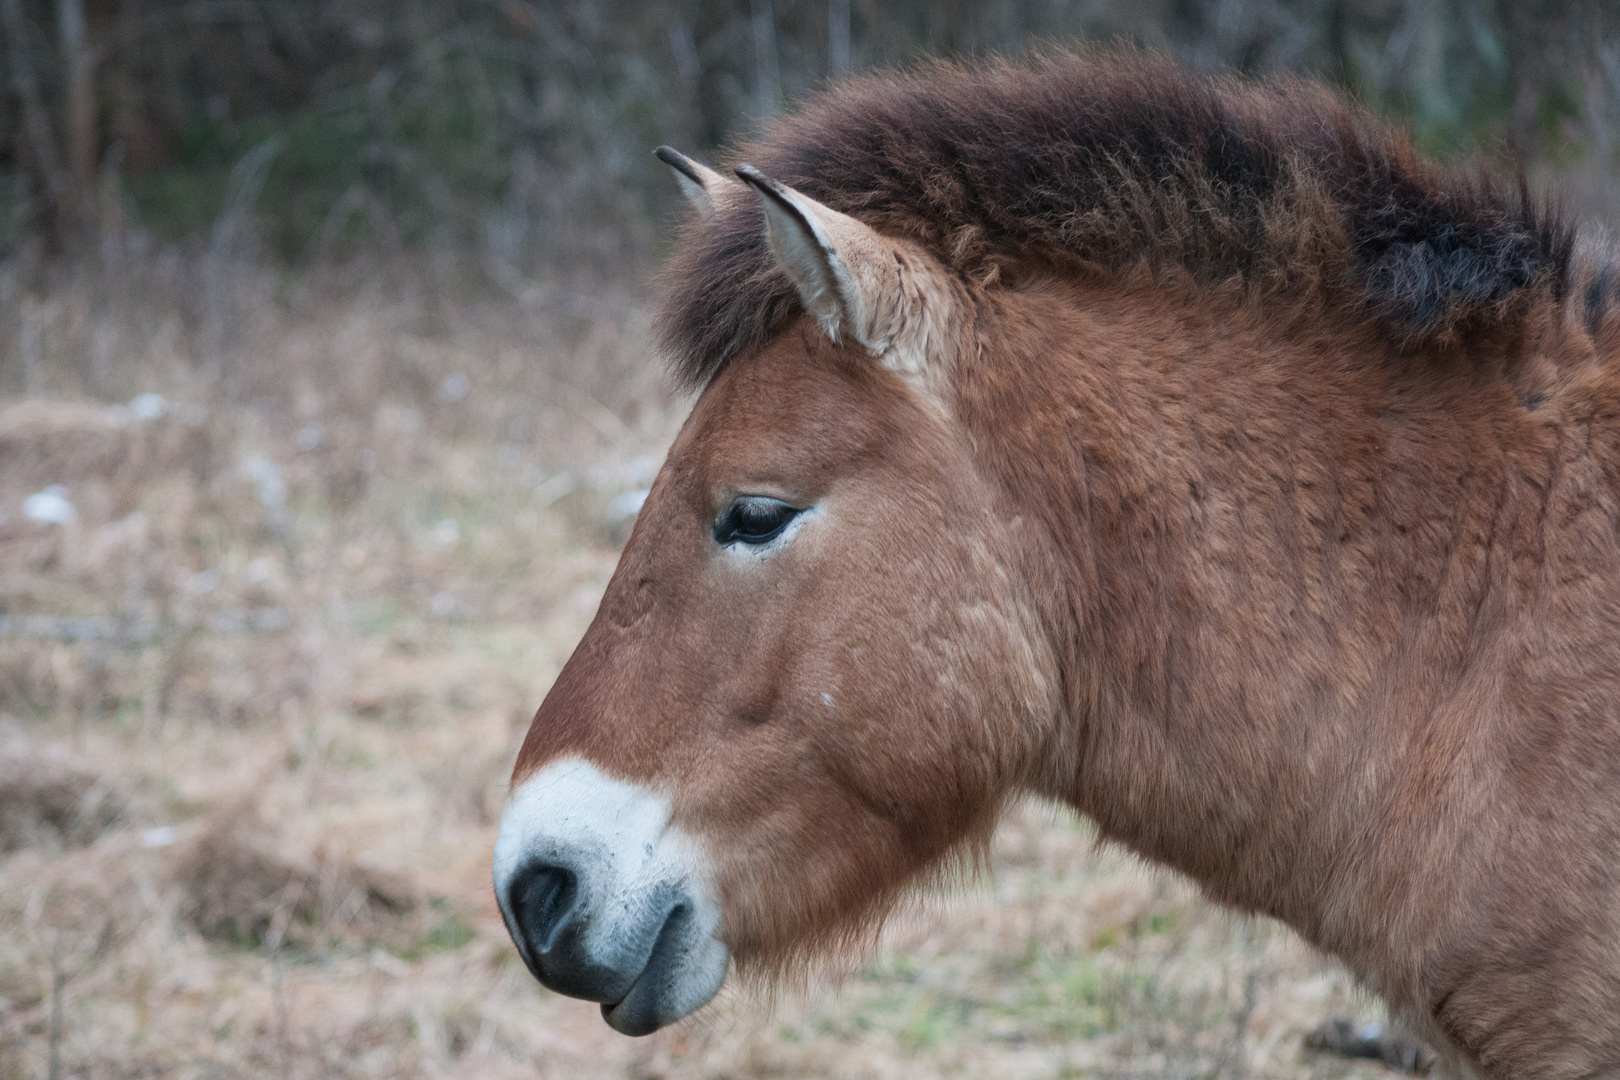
pixel 796 403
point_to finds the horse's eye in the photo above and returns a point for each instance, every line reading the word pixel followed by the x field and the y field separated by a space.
pixel 753 519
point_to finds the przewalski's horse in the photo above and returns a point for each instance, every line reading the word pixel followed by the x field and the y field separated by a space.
pixel 1191 452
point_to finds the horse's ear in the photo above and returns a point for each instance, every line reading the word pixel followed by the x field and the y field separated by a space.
pixel 844 271
pixel 699 183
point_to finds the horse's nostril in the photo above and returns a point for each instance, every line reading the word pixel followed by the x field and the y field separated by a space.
pixel 541 898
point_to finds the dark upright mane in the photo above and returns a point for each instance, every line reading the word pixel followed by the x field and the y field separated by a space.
pixel 1118 163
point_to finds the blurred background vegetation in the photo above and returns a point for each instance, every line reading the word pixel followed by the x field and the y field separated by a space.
pixel 494 141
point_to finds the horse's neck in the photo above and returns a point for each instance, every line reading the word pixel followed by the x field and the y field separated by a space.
pixel 1274 550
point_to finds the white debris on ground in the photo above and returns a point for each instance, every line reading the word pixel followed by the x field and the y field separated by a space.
pixel 266 476
pixel 158 836
pixel 149 406
pixel 50 506
pixel 310 436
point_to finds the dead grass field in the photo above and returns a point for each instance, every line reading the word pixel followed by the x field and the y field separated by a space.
pixel 265 661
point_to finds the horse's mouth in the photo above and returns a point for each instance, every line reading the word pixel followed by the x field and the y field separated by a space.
pixel 640 1012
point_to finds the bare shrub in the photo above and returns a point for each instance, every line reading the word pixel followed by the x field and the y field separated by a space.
pixel 48 798
pixel 244 882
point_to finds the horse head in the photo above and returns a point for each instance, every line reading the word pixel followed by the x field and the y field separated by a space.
pixel 818 668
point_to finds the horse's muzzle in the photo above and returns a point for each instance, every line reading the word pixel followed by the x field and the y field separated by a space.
pixel 604 900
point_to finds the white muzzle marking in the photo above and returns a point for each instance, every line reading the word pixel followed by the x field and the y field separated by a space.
pixel 605 899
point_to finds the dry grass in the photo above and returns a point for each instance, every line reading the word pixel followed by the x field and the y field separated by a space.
pixel 258 699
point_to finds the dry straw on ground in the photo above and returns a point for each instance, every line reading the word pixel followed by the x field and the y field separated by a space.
pixel 264 666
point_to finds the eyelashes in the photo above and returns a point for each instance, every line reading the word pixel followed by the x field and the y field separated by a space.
pixel 754 520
